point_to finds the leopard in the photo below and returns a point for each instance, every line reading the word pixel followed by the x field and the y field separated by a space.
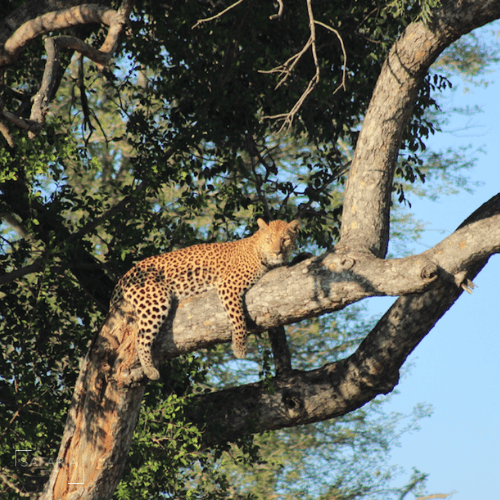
pixel 231 268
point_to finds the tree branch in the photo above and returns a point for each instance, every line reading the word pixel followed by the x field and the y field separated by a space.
pixel 74 16
pixel 220 14
pixel 365 218
pixel 287 67
pixel 281 351
pixel 52 21
pixel 107 397
pixel 329 283
pixel 108 394
pixel 302 397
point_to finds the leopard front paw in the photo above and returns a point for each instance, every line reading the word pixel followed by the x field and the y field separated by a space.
pixel 151 372
pixel 240 348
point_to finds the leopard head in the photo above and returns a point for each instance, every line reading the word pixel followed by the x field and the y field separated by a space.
pixel 276 241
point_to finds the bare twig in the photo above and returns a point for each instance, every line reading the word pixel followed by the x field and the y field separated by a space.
pixel 344 71
pixel 288 67
pixel 220 14
pixel 280 11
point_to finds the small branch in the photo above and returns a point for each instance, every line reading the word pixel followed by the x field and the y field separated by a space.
pixel 4 130
pixel 83 99
pixel 102 57
pixel 45 94
pixel 20 122
pixel 19 273
pixel 220 14
pixel 289 65
pixel 344 71
pixel 287 68
pixel 280 11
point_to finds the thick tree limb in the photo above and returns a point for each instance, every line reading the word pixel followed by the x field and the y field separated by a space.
pixel 107 401
pixel 53 21
pixel 32 10
pixel 330 282
pixel 365 218
pixel 301 397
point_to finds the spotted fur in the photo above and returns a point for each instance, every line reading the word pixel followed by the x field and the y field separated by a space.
pixel 230 268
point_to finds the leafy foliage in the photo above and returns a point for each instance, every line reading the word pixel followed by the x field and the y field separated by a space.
pixel 177 145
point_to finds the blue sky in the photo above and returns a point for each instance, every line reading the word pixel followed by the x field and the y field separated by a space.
pixel 456 367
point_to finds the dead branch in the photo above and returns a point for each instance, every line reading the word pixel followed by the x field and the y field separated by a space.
pixel 288 66
pixel 344 53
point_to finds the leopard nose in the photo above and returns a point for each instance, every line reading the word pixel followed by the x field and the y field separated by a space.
pixel 277 249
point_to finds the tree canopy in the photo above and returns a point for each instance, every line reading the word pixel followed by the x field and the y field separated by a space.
pixel 135 128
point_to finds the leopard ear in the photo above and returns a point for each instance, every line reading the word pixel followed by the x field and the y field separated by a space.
pixel 262 225
pixel 294 226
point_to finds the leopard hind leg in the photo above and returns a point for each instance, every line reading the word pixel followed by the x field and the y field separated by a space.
pixel 150 321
